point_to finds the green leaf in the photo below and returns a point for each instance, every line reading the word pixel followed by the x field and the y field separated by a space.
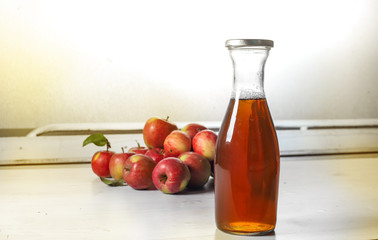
pixel 98 139
pixel 113 183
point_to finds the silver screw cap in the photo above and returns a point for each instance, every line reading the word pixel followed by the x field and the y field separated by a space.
pixel 234 43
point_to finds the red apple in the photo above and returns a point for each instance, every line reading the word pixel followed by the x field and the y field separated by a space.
pixel 199 168
pixel 116 164
pixel 204 143
pixel 137 171
pixel 177 142
pixel 192 129
pixel 138 149
pixel 157 154
pixel 156 130
pixel 100 163
pixel 171 175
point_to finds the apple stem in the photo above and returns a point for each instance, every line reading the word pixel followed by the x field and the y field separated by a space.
pixel 123 149
pixel 137 143
pixel 107 145
pixel 163 178
pixel 167 118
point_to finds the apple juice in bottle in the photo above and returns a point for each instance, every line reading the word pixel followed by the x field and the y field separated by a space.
pixel 247 160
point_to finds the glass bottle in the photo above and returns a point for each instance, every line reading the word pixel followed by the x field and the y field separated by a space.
pixel 247 159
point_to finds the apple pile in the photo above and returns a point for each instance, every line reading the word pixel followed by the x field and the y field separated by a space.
pixel 172 160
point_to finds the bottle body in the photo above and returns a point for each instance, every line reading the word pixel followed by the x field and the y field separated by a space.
pixel 246 167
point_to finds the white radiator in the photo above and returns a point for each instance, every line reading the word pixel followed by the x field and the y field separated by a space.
pixel 62 143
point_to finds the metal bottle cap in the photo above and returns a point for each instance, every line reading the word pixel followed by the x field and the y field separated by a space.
pixel 234 43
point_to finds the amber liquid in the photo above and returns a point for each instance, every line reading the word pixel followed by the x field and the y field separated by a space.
pixel 246 169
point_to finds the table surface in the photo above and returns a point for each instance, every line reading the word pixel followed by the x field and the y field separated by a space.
pixel 319 198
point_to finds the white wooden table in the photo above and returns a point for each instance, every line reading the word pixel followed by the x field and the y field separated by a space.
pixel 320 198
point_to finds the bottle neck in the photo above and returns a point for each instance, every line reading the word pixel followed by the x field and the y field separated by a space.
pixel 249 63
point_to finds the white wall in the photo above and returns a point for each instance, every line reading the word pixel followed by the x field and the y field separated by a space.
pixel 124 61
